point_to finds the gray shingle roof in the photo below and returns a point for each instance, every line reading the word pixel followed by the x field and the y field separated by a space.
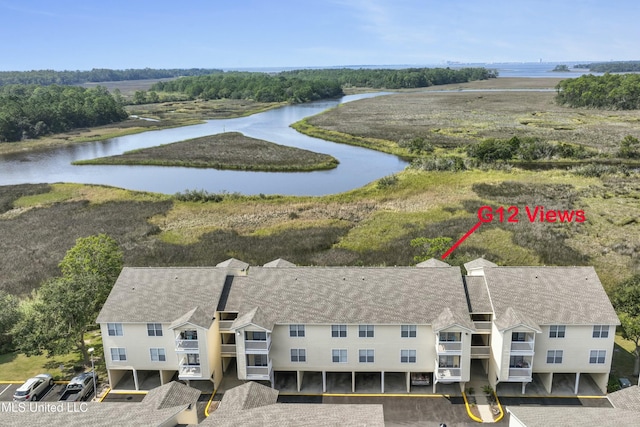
pixel 627 398
pixel 352 295
pixel 171 395
pixel 536 416
pixel 233 263
pixel 301 415
pixel 254 316
pixel 512 318
pixel 280 263
pixel 195 316
pixel 162 294
pixel 478 294
pixel 247 396
pixel 448 318
pixel 551 295
pixel 432 262
pixel 478 263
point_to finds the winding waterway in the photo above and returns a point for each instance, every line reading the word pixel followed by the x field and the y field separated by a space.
pixel 358 166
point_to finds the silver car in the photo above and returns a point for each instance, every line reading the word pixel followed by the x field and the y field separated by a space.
pixel 33 388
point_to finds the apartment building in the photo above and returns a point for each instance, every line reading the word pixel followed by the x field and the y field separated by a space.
pixel 421 325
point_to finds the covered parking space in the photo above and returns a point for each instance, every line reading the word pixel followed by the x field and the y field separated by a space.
pixel 368 382
pixel 132 379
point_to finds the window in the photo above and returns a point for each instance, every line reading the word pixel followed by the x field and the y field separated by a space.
pixel 518 336
pixel 193 359
pixel 449 361
pixel 365 331
pixel 450 336
pixel 407 356
pixel 255 336
pixel 260 360
pixel 339 331
pixel 408 331
pixel 189 335
pixel 298 355
pixel 518 362
pixel 158 355
pixel 118 354
pixel 115 329
pixel 554 356
pixel 366 356
pixel 154 329
pixel 556 331
pixel 296 330
pixel 339 356
pixel 600 331
pixel 597 356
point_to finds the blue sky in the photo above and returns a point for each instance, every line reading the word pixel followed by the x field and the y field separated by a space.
pixel 64 34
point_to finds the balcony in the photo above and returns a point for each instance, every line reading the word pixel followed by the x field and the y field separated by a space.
pixel 482 327
pixel 480 352
pixel 253 346
pixel 449 347
pixel 259 372
pixel 522 347
pixel 449 374
pixel 228 350
pixel 519 374
pixel 189 371
pixel 225 325
pixel 187 346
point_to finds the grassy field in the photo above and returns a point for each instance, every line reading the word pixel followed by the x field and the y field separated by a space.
pixel 231 150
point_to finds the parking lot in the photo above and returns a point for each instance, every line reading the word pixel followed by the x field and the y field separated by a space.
pixel 51 394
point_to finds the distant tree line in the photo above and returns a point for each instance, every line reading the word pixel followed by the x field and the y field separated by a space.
pixel 612 67
pixel 49 77
pixel 308 85
pixel 28 111
pixel 613 91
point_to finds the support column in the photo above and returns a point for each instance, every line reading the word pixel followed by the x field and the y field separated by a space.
pixel 435 381
pixel 299 380
pixel 161 377
pixel 524 385
pixel 575 388
pixel 135 379
pixel 408 380
pixel 353 382
pixel 382 382
pixel 324 381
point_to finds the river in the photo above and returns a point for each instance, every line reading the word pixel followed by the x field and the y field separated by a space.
pixel 358 166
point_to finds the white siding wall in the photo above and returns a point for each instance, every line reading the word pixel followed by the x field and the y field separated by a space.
pixel 137 344
pixel 576 345
pixel 387 343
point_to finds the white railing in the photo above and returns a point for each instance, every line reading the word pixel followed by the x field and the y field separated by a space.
pixel 449 346
pixel 225 325
pixel 228 348
pixel 259 372
pixel 522 346
pixel 482 325
pixel 186 345
pixel 189 371
pixel 251 345
pixel 449 373
pixel 519 372
pixel 480 350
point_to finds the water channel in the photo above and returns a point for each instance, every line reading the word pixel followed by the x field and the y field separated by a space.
pixel 358 166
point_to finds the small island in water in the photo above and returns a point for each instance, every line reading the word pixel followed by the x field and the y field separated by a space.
pixel 230 150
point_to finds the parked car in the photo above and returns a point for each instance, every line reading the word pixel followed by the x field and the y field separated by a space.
pixel 33 388
pixel 79 388
pixel 624 382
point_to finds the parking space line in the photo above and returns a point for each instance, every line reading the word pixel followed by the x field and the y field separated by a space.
pixel 5 389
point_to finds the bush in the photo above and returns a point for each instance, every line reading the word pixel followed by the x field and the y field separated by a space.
pixel 595 170
pixel 387 181
pixel 417 146
pixel 436 163
pixel 491 150
pixel 629 148
pixel 203 196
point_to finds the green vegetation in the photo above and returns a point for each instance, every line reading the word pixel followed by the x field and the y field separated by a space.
pixel 430 248
pixel 626 300
pixel 58 316
pixel 612 67
pixel 33 111
pixel 610 91
pixel 49 77
pixel 231 150
pixel 561 68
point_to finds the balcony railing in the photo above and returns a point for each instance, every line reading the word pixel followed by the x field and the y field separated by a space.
pixel 187 345
pixel 482 326
pixel 252 346
pixel 449 347
pixel 519 373
pixel 259 372
pixel 452 374
pixel 225 325
pixel 522 346
pixel 227 349
pixel 189 371
pixel 480 352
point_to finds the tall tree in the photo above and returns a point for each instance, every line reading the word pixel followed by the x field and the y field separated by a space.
pixel 9 316
pixel 626 300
